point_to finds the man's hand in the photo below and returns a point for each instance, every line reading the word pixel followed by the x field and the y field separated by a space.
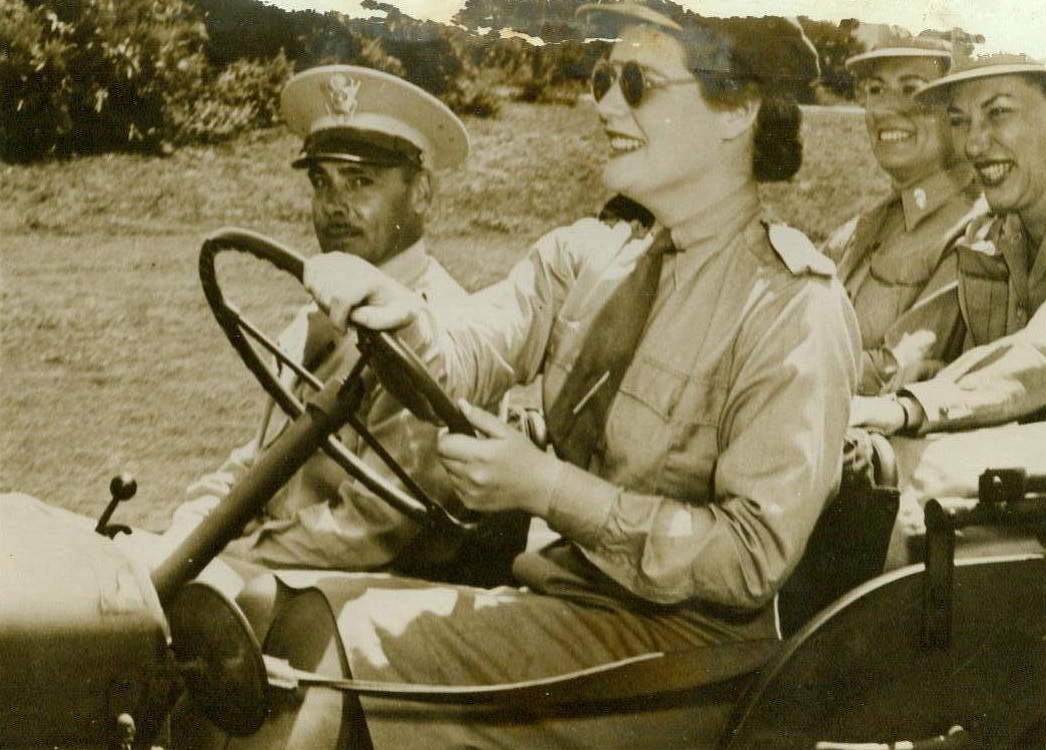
pixel 214 485
pixel 877 413
pixel 500 470
pixel 886 414
pixel 350 290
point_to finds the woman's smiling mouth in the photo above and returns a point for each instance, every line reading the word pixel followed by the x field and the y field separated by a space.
pixel 623 144
pixel 894 136
pixel 994 172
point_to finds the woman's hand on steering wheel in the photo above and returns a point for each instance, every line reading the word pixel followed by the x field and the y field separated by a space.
pixel 352 291
pixel 500 469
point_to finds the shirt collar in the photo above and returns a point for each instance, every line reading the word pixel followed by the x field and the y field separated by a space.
pixel 710 228
pixel 408 266
pixel 1016 244
pixel 923 197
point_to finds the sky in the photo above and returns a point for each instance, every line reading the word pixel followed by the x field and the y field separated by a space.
pixel 1007 25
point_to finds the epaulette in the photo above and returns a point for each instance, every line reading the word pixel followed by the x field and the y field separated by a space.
pixel 797 251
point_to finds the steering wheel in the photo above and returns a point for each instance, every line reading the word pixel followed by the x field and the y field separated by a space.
pixel 397 367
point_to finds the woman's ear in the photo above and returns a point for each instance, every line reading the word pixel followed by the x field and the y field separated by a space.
pixel 739 119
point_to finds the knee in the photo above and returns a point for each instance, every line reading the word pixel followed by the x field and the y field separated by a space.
pixel 258 600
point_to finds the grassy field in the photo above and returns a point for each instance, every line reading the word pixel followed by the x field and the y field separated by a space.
pixel 109 358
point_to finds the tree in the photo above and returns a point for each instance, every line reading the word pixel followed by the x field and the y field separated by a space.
pixel 962 43
pixel 835 43
pixel 92 75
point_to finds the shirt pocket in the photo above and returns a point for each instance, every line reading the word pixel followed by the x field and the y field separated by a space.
pixel 695 447
pixel 909 263
pixel 653 385
pixel 983 294
pixel 661 433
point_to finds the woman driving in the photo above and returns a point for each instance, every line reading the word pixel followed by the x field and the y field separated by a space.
pixel 696 378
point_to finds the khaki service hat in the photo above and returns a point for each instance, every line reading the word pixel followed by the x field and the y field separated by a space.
pixel 984 66
pixel 356 114
pixel 895 46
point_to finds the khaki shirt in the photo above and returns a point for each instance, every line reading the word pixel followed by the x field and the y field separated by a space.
pixel 724 441
pixel 323 518
pixel 897 265
pixel 1002 374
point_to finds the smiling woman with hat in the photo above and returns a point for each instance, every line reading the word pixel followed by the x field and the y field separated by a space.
pixel 997 110
pixel 896 259
pixel 696 377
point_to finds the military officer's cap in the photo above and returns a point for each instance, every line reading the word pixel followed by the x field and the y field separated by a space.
pixel 361 115
pixel 984 66
pixel 770 49
pixel 897 46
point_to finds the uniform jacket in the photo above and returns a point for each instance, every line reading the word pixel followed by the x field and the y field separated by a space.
pixel 724 440
pixel 1002 374
pixel 899 269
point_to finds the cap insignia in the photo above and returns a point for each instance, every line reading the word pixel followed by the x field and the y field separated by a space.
pixel 341 96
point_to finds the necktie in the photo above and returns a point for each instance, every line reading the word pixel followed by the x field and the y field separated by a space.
pixel 578 416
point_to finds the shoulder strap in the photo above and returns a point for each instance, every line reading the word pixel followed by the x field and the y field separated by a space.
pixel 797 251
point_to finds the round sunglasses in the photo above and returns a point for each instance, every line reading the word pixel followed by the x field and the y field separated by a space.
pixel 632 79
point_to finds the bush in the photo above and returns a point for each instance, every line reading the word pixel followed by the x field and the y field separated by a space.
pixel 558 72
pixel 85 76
pixel 244 96
pixel 432 56
pixel 473 98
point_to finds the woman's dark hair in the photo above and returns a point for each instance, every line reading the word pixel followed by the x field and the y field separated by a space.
pixel 778 144
pixel 742 59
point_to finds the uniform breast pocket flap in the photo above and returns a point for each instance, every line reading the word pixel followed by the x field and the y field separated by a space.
pixel 654 385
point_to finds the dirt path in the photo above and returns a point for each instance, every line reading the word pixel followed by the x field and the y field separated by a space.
pixel 111 362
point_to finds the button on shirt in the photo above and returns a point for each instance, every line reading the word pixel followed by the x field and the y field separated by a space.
pixel 1002 374
pixel 897 265
pixel 724 441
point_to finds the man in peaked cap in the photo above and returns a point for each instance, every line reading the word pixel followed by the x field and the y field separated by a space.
pixel 997 109
pixel 370 143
